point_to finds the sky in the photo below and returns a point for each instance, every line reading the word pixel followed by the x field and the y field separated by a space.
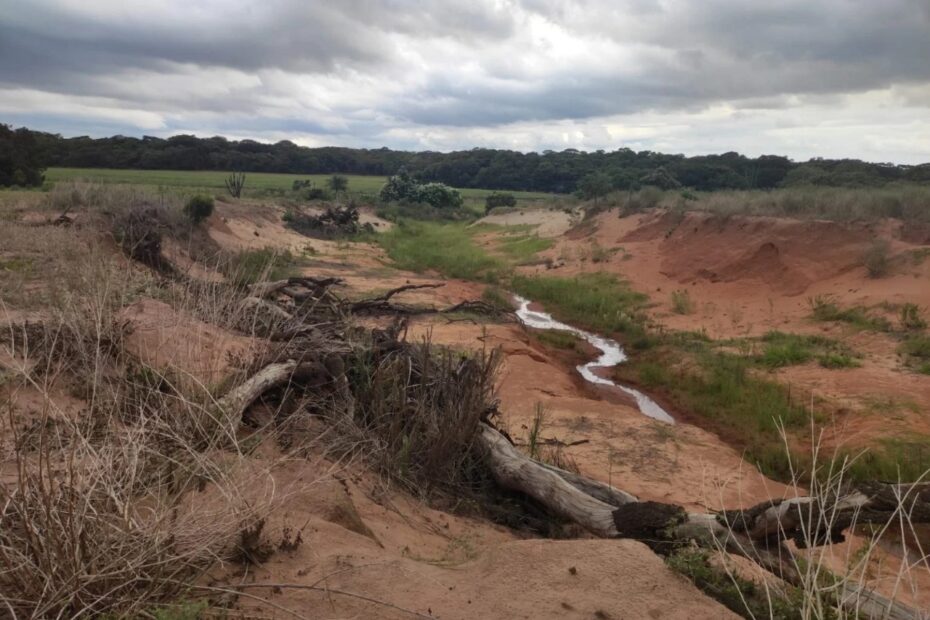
pixel 803 78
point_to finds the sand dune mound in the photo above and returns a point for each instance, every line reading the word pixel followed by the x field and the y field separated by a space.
pixel 787 255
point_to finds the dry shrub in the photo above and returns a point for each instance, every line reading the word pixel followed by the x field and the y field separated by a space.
pixel 877 259
pixel 123 506
pixel 139 230
pixel 413 409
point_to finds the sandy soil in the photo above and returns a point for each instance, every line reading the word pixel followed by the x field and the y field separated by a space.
pixel 360 537
pixel 547 223
pixel 747 276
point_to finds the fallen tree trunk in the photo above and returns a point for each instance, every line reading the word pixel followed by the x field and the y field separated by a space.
pixel 612 513
pixel 231 406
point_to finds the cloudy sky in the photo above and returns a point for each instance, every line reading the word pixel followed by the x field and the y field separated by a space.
pixel 832 78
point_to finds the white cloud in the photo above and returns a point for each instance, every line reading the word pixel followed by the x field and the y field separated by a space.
pixel 832 78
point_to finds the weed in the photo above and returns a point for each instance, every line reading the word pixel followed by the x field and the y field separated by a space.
pixel 682 302
pixel 251 266
pixel 838 360
pixel 912 318
pixel 825 308
pixel 877 259
pixel 597 301
pixel 448 249
pixel 557 339
pixel 199 208
pixel 737 594
pixel 497 298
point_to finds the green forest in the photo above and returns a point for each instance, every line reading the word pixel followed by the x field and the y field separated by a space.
pixel 564 171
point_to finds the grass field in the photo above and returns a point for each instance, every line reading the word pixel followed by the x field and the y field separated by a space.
pixel 268 182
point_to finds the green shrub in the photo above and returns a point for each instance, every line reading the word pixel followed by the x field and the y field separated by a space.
pixel 912 318
pixel 199 208
pixel 838 360
pixel 499 199
pixel 682 302
pixel 596 301
pixel 558 339
pixel 251 266
pixel 495 297
pixel 877 259
pixel 741 596
pixel 824 308
pixel 917 346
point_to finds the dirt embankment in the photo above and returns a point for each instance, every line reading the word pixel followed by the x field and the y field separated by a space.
pixel 746 276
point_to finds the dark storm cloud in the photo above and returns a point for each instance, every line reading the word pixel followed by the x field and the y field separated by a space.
pixel 379 70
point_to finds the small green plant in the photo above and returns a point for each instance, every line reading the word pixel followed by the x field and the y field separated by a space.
pixel 877 259
pixel 596 301
pixel 838 360
pixel 499 199
pixel 682 302
pixel 533 436
pixel 912 318
pixel 737 594
pixel 251 266
pixel 825 308
pixel 497 298
pixel 916 346
pixel 199 208
pixel 557 339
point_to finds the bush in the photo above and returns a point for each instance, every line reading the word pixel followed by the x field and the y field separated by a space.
pixel 911 318
pixel 403 188
pixel 838 360
pixel 199 208
pixel 681 302
pixel 498 199
pixel 20 158
pixel 139 230
pixel 437 195
pixel 251 266
pixel 917 346
pixel 877 259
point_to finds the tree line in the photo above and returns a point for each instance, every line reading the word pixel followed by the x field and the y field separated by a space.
pixel 549 171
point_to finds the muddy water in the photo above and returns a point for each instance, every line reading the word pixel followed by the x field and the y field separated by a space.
pixel 611 355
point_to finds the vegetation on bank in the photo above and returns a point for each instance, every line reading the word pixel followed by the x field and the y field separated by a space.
pixel 907 202
pixel 446 248
pixel 552 171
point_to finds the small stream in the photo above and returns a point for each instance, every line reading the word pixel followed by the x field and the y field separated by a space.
pixel 611 355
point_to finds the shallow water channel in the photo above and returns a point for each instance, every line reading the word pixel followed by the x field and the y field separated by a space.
pixel 612 354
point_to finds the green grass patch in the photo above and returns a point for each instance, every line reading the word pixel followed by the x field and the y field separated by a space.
pixel 447 248
pixel 722 389
pixel 835 360
pixel 595 301
pixel 17 264
pixel 741 596
pixel 251 266
pixel 894 459
pixel 523 248
pixel 558 339
pixel 256 183
pixel 496 297
pixel 824 308
pixel 917 346
pixel 782 349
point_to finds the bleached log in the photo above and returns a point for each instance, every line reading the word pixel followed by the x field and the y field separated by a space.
pixel 613 513
pixel 231 406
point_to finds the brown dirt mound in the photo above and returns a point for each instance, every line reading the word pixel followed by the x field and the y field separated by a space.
pixel 163 338
pixel 788 255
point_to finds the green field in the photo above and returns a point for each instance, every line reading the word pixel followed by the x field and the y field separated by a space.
pixel 255 182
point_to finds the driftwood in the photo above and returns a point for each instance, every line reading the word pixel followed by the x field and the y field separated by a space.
pixel 759 533
pixel 756 533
